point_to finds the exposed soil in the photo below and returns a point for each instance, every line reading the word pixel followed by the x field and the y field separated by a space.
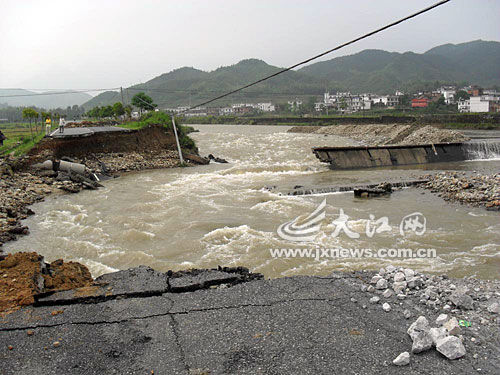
pixel 25 275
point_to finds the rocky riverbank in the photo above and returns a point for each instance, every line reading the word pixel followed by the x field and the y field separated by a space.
pixel 379 135
pixel 22 184
pixel 466 188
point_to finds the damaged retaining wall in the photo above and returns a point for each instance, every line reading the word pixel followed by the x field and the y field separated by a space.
pixel 383 156
pixel 149 139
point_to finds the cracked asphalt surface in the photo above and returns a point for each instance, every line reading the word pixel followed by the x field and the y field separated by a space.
pixel 221 322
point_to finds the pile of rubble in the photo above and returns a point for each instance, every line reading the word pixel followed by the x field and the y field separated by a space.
pixel 475 190
pixel 380 135
pixel 18 190
pixel 131 161
pixel 476 300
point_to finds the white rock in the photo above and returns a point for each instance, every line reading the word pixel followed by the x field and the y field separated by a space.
pixel 452 326
pixel 387 293
pixel 407 314
pixel 370 289
pixel 381 272
pixel 390 269
pixel 375 279
pixel 441 319
pixel 422 341
pixel 399 286
pixel 494 308
pixel 381 284
pixel 451 347
pixel 399 276
pixel 409 273
pixel 437 334
pixel 419 325
pixel 402 360
pixel 386 307
pixel 415 282
pixel 374 299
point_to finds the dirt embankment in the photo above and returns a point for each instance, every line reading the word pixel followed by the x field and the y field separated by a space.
pixel 378 135
pixel 25 275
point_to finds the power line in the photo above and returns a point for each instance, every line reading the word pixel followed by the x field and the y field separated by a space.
pixel 58 93
pixel 321 54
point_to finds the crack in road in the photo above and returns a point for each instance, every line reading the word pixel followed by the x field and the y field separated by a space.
pixel 167 314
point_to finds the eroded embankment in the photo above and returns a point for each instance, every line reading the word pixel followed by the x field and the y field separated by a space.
pixel 103 154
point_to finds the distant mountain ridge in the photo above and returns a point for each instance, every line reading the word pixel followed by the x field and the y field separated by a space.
pixel 376 71
pixel 42 101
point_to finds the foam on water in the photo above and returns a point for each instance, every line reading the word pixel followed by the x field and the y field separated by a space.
pixel 223 214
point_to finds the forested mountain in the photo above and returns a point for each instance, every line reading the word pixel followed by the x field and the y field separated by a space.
pixel 375 71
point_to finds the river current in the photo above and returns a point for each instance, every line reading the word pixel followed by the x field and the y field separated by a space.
pixel 225 214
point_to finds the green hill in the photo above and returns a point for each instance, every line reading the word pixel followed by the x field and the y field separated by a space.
pixel 375 71
pixel 188 85
pixel 476 62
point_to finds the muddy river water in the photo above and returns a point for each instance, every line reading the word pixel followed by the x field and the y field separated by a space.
pixel 222 214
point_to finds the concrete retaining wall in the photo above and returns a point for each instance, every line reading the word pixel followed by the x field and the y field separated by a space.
pixel 383 156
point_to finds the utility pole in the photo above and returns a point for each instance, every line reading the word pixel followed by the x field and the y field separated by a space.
pixel 177 140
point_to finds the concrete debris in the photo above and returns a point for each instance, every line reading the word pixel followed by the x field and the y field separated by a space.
pixel 407 314
pixel 437 333
pixel 422 341
pixel 387 293
pixel 386 307
pixel 399 276
pixel 374 299
pixel 419 325
pixel 494 308
pixel 451 347
pixel 381 284
pixel 441 319
pixel 452 326
pixel 462 300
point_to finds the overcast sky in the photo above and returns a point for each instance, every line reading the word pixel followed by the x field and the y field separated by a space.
pixel 54 44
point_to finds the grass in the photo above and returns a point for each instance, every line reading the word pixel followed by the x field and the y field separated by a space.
pixel 160 118
pixel 19 140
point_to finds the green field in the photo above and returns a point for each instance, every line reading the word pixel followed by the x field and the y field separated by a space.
pixel 19 137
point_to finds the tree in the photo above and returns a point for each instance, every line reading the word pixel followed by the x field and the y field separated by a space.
pixel 128 110
pixel 30 114
pixel 462 95
pixel 106 111
pixel 118 109
pixel 143 102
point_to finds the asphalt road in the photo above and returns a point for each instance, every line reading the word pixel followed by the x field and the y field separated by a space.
pixel 215 322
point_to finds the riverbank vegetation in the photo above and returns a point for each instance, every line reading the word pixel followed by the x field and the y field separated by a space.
pixel 161 118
